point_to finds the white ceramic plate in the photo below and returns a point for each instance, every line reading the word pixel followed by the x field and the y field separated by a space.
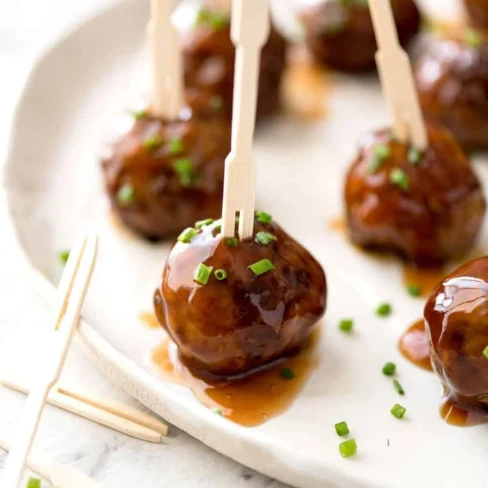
pixel 54 191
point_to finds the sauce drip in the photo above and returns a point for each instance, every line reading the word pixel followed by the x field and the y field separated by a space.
pixel 454 415
pixel 249 401
pixel 414 346
pixel 149 319
pixel 426 279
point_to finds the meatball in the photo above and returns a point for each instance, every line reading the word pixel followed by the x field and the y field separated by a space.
pixel 209 58
pixel 428 207
pixel 457 326
pixel 339 34
pixel 478 12
pixel 162 175
pixel 253 302
pixel 452 81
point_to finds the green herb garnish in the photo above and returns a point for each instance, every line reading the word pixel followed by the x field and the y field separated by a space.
pixel 414 290
pixel 138 114
pixel 348 448
pixel 202 274
pixel 216 20
pixel 263 217
pixel 220 274
pixel 126 194
pixel 63 256
pixel 384 310
pixel 175 146
pixel 398 411
pixel 232 241
pixel 398 387
pixel 342 429
pixel 485 352
pixel 261 267
pixel 399 178
pixel 414 155
pixel 287 373
pixel 346 325
pixel 202 223
pixel 152 142
pixel 187 235
pixel 381 152
pixel 265 238
pixel 389 369
pixel 217 411
pixel 34 483
pixel 183 167
pixel 473 38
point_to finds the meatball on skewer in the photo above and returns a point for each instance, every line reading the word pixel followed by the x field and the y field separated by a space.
pixel 478 12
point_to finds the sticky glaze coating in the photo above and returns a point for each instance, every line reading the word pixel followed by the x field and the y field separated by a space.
pixel 452 81
pixel 209 58
pixel 162 176
pixel 478 12
pixel 232 327
pixel 339 34
pixel 457 326
pixel 434 219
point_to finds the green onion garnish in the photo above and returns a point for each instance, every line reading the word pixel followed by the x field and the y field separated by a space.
pixel 342 429
pixel 261 267
pixel 63 256
pixel 348 448
pixel 473 38
pixel 398 411
pixel 152 142
pixel 381 153
pixel 202 274
pixel 263 217
pixel 400 179
pixel 215 20
pixel 384 310
pixel 184 169
pixel 34 483
pixel 398 387
pixel 217 411
pixel 346 325
pixel 220 274
pixel 414 290
pixel 287 374
pixel 138 114
pixel 187 235
pixel 216 103
pixel 126 194
pixel 232 241
pixel 175 146
pixel 389 369
pixel 265 238
pixel 485 352
pixel 414 155
pixel 202 223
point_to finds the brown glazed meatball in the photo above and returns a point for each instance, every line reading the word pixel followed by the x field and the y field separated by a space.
pixel 426 207
pixel 209 58
pixel 456 319
pixel 478 12
pixel 339 33
pixel 452 81
pixel 162 176
pixel 228 328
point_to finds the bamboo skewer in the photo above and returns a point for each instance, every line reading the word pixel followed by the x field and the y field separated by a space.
pixel 72 291
pixel 396 76
pixel 250 30
pixel 166 60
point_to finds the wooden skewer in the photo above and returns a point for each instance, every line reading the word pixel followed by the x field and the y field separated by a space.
pixel 166 60
pixel 397 79
pixel 250 30
pixel 72 291
pixel 59 475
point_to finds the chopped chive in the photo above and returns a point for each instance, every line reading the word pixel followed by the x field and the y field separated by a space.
pixel 342 429
pixel 264 238
pixel 414 155
pixel 348 448
pixel 152 142
pixel 187 235
pixel 138 114
pixel 473 38
pixel 216 20
pixel 175 146
pixel 232 241
pixel 63 256
pixel 400 179
pixel 216 103
pixel 217 411
pixel 202 274
pixel 184 169
pixel 263 217
pixel 261 267
pixel 485 352
pixel 202 223
pixel 217 229
pixel 346 325
pixel 414 290
pixel 287 373
pixel 384 310
pixel 389 369
pixel 398 387
pixel 34 483
pixel 381 152
pixel 398 411
pixel 126 194
pixel 220 274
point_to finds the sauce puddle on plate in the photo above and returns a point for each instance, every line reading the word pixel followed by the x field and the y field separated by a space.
pixel 249 401
pixel 149 319
pixel 414 346
pixel 454 415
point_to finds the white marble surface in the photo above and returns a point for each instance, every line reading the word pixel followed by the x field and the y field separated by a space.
pixel 112 458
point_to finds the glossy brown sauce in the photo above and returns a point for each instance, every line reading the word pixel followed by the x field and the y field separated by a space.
pixel 426 279
pixel 305 87
pixel 149 319
pixel 250 401
pixel 454 415
pixel 414 345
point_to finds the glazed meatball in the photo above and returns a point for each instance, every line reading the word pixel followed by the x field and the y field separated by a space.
pixel 162 175
pixel 339 34
pixel 209 58
pixel 478 12
pixel 457 326
pixel 428 207
pixel 452 81
pixel 233 307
